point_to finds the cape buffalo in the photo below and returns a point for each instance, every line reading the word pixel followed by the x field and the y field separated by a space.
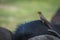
pixel 5 34
pixel 44 37
pixel 30 29
pixel 55 21
pixel 35 28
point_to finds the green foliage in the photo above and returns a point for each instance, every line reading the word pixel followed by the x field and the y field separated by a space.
pixel 20 11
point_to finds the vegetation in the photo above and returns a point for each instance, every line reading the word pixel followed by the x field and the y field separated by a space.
pixel 14 12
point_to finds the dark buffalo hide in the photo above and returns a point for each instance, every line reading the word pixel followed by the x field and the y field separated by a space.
pixel 5 34
pixel 44 37
pixel 56 28
pixel 30 29
pixel 55 21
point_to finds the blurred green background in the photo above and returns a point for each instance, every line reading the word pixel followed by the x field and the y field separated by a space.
pixel 14 12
